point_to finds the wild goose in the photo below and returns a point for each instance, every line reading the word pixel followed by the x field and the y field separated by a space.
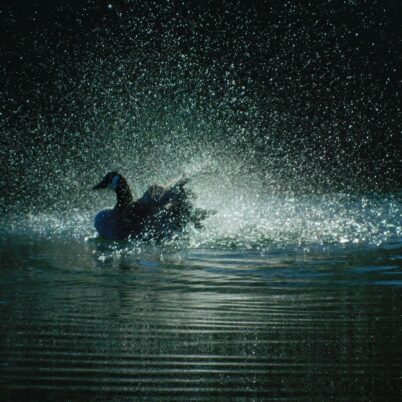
pixel 162 211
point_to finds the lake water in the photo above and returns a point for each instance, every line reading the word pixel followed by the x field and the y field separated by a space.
pixel 298 299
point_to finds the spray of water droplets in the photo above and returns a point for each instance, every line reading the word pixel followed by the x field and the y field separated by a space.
pixel 267 107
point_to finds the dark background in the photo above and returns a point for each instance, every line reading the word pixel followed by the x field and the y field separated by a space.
pixel 310 91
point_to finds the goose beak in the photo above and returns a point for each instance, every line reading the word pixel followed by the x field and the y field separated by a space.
pixel 100 185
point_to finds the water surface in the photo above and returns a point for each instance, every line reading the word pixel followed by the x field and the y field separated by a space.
pixel 227 313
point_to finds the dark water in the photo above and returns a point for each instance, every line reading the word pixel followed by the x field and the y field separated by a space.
pixel 240 311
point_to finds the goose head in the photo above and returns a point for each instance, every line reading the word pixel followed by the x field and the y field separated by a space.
pixel 112 181
pixel 116 182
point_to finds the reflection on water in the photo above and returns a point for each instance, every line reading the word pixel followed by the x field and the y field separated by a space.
pixel 126 321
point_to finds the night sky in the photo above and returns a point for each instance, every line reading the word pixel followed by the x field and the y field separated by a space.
pixel 310 87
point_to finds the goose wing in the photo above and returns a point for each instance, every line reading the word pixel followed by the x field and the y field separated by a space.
pixel 159 196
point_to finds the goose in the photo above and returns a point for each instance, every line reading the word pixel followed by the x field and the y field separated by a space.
pixel 162 211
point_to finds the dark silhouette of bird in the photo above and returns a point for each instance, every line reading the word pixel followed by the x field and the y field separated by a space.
pixel 162 211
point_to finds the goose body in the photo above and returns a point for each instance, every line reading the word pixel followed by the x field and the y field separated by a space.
pixel 162 211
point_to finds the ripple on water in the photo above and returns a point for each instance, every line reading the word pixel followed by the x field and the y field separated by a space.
pixel 174 322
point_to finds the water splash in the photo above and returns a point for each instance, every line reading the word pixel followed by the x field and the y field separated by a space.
pixel 258 112
pixel 249 217
pixel 305 222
